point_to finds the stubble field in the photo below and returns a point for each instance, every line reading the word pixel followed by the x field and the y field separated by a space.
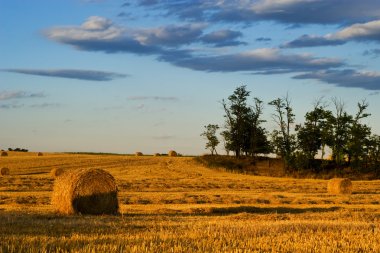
pixel 173 204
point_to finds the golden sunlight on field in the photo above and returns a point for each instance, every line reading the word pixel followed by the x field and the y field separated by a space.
pixel 174 204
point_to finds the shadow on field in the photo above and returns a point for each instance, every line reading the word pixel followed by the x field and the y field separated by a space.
pixel 261 210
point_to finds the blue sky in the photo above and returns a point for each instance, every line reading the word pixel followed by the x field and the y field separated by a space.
pixel 147 75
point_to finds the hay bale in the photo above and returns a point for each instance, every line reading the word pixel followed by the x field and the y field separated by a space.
pixel 4 171
pixel 56 172
pixel 138 154
pixel 339 186
pixel 172 153
pixel 40 154
pixel 85 191
pixel 157 154
pixel 4 153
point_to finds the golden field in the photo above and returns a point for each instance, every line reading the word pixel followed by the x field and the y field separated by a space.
pixel 173 204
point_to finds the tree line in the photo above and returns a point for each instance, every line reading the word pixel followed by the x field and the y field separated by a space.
pixel 301 146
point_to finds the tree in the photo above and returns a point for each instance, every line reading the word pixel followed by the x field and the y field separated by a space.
pixel 339 124
pixel 359 135
pixel 312 135
pixel 244 133
pixel 283 140
pixel 212 139
pixel 236 113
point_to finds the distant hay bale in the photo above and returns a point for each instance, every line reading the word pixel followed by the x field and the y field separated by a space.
pixel 339 186
pixel 4 171
pixel 56 172
pixel 4 153
pixel 138 154
pixel 85 191
pixel 172 153
pixel 157 154
pixel 40 154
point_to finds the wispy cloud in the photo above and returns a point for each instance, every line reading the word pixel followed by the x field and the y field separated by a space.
pixel 263 39
pixel 88 75
pixel 45 105
pixel 157 98
pixel 6 95
pixel 349 78
pixel 11 106
pixel 164 137
pixel 372 52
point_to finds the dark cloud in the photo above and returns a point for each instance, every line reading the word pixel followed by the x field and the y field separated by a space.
pixel 288 12
pixel 222 38
pixel 369 31
pixel 88 75
pixel 261 61
pixel 6 95
pixel 348 78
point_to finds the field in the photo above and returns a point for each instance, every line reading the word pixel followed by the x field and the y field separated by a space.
pixel 173 204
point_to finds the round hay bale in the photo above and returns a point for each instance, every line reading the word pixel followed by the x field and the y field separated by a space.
pixel 339 186
pixel 40 154
pixel 157 154
pixel 85 191
pixel 4 153
pixel 56 172
pixel 4 171
pixel 138 154
pixel 172 153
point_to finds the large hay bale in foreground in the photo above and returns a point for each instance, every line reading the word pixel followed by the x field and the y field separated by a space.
pixel 85 191
pixel 339 186
pixel 40 154
pixel 4 153
pixel 138 154
pixel 172 153
pixel 55 172
pixel 4 171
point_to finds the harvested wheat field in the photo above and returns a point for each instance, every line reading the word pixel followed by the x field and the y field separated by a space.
pixel 173 204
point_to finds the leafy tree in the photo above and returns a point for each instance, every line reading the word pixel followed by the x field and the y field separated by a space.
pixel 244 133
pixel 236 113
pixel 227 142
pixel 312 136
pixel 212 139
pixel 339 124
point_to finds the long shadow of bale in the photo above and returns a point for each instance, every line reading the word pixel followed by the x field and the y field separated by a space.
pixel 85 191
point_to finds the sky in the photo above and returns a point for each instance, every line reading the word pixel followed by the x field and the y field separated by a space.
pixel 147 75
